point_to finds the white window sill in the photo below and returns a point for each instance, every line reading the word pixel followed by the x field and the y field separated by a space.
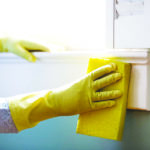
pixel 132 56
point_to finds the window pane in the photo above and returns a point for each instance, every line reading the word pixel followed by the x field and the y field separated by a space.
pixel 77 24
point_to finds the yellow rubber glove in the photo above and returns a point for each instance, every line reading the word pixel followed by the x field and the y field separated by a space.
pixel 79 97
pixel 21 48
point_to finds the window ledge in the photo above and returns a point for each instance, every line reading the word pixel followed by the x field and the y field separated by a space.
pixel 131 56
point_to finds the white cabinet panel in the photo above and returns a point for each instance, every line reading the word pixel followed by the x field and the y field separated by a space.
pixel 53 70
pixel 132 24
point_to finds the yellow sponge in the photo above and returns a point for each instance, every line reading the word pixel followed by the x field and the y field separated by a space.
pixel 107 123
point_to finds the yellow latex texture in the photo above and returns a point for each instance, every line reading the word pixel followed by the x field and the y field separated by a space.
pixel 107 123
pixel 78 97
pixel 21 48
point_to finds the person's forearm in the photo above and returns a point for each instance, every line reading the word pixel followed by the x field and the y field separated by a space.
pixel 6 123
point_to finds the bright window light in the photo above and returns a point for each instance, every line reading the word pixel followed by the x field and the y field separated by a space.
pixel 76 24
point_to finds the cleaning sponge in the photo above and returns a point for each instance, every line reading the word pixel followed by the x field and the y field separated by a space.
pixel 107 123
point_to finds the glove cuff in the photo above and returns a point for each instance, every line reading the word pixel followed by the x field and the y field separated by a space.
pixel 3 45
pixel 28 110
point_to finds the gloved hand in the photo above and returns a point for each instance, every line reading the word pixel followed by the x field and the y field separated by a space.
pixel 79 97
pixel 21 48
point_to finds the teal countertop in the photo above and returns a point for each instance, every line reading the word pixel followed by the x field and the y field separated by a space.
pixel 60 133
